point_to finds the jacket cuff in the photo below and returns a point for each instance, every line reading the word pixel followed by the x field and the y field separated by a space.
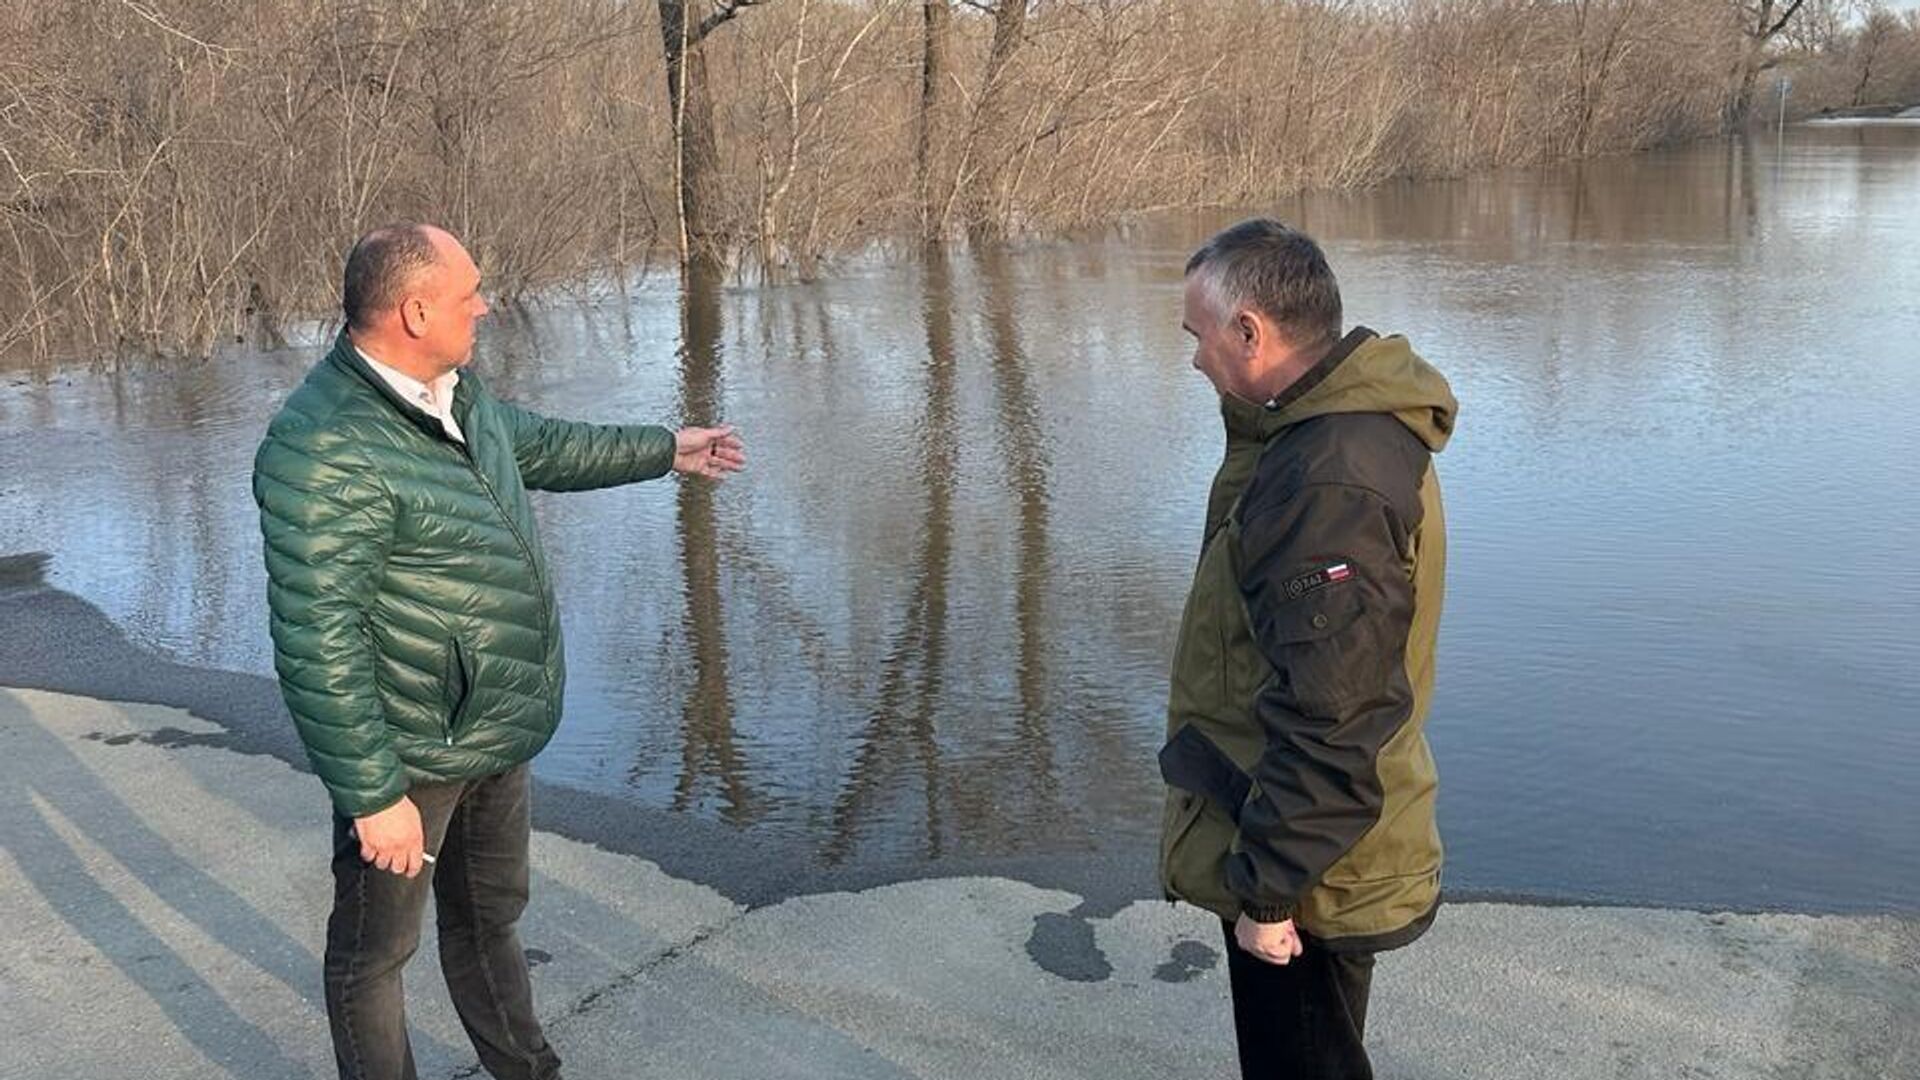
pixel 659 444
pixel 1267 913
pixel 365 802
pixel 1256 903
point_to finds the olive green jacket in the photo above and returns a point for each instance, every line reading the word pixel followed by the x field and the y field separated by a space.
pixel 414 626
pixel 1301 785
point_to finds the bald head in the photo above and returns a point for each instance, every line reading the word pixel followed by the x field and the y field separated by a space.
pixel 412 298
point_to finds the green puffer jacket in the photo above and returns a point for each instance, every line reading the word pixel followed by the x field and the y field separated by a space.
pixel 1300 782
pixel 414 626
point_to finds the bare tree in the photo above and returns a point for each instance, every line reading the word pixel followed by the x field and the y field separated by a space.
pixel 990 114
pixel 703 237
pixel 1881 28
pixel 814 74
pixel 1605 36
pixel 1761 21
pixel 182 174
pixel 1820 26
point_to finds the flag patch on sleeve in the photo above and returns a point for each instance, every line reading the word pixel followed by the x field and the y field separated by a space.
pixel 1318 579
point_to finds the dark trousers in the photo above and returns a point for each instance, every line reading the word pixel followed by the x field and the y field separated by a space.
pixel 478 829
pixel 1303 1020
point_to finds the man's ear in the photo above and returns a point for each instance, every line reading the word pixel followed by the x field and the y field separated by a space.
pixel 413 316
pixel 1248 327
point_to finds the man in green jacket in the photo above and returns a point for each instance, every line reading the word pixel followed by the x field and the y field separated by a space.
pixel 1301 788
pixel 417 640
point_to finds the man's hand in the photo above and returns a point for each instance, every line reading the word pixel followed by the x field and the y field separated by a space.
pixel 1276 943
pixel 391 839
pixel 708 452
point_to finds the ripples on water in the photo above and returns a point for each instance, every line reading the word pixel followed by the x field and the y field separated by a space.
pixel 1678 662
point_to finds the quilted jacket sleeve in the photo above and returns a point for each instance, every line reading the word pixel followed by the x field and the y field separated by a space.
pixel 564 455
pixel 327 521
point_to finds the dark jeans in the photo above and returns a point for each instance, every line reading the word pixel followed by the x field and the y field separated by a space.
pixel 1302 1020
pixel 478 830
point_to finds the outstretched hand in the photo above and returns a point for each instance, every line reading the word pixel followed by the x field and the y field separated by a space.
pixel 708 452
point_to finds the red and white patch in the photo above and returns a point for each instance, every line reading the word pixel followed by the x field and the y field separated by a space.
pixel 1339 572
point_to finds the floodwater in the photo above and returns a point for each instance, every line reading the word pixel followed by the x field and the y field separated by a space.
pixel 1679 662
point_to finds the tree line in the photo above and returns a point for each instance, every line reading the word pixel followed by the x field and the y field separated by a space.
pixel 179 173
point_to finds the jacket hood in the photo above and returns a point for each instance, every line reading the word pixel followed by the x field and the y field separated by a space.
pixel 1365 373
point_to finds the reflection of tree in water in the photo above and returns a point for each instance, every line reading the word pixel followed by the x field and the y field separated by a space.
pixel 778 603
pixel 1022 433
pixel 913 666
pixel 912 678
pixel 1579 209
pixel 709 745
pixel 1739 187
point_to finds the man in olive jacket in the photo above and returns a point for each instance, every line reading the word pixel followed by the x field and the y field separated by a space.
pixel 1301 802
pixel 417 640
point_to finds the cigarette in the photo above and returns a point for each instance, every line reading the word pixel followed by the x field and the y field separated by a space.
pixel 426 858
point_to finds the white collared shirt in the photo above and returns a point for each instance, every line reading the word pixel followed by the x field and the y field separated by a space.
pixel 434 398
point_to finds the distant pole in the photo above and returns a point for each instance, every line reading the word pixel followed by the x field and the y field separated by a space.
pixel 1785 85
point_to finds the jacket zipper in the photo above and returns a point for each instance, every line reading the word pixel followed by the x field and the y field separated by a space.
pixel 533 561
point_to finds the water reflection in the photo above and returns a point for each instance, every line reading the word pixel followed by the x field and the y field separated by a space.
pixel 1022 429
pixel 932 621
pixel 1738 190
pixel 900 727
pixel 709 744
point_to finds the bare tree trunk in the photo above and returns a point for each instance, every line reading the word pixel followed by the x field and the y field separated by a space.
pixel 776 182
pixel 1009 30
pixel 1009 27
pixel 703 238
pixel 935 66
pixel 1742 106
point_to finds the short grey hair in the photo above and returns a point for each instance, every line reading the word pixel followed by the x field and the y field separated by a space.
pixel 1277 270
pixel 381 266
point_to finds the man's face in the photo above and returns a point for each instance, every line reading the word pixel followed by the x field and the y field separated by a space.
pixel 449 304
pixel 1221 351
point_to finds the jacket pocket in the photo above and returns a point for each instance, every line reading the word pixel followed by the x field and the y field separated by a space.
pixel 1193 853
pixel 1182 810
pixel 1205 792
pixel 1320 649
pixel 457 695
pixel 1194 763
